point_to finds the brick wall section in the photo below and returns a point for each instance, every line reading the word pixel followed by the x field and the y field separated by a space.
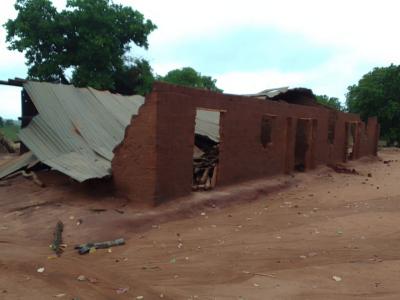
pixel 154 163
pixel 134 163
pixel 370 137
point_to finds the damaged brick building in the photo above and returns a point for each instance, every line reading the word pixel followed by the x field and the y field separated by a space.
pixel 151 148
pixel 258 138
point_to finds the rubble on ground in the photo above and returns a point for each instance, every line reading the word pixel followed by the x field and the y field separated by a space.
pixel 338 168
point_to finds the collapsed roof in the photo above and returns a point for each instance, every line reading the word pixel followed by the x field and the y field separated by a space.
pixel 77 129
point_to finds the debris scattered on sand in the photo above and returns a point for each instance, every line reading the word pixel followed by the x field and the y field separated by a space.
pixel 28 175
pixel 338 168
pixel 57 242
pixel 91 247
pixel 60 295
pixel 97 210
pixel 92 280
pixel 40 270
pixel 337 278
pixel 122 290
pixel 259 274
pixel 32 175
pixel 81 278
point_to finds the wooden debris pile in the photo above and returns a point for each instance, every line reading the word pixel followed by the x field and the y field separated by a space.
pixel 6 146
pixel 205 164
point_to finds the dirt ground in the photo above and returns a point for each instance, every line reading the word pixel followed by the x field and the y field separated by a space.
pixel 319 235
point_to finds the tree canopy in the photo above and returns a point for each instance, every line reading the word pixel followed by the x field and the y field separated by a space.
pixel 191 78
pixel 378 94
pixel 330 101
pixel 91 38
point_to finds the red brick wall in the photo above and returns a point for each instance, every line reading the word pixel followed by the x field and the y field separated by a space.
pixel 154 163
pixel 134 163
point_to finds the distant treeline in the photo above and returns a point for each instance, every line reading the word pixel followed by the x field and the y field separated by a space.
pixel 8 122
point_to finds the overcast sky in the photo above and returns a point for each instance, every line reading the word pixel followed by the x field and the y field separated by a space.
pixel 252 45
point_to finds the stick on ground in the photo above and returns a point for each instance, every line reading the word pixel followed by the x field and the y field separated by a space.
pixel 56 246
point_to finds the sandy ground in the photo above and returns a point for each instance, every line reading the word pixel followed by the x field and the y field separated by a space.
pixel 325 236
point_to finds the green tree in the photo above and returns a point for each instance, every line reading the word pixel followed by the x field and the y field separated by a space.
pixel 135 78
pixel 91 38
pixel 378 94
pixel 191 78
pixel 1 122
pixel 330 101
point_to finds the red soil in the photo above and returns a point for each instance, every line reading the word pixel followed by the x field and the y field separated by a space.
pixel 279 239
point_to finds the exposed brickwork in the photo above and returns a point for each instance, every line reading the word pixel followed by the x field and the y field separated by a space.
pixel 134 163
pixel 154 163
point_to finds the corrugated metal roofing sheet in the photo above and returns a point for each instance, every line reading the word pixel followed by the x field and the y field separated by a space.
pixel 207 123
pixel 77 129
pixel 269 93
pixel 16 163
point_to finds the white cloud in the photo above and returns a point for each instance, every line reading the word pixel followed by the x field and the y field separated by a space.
pixel 356 24
pixel 10 103
pixel 363 34
pixel 251 82
pixel 331 78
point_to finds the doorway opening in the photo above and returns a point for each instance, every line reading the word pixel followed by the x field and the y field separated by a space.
pixel 206 149
pixel 331 128
pixel 288 145
pixel 351 131
pixel 306 133
pixel 302 144
pixel 266 131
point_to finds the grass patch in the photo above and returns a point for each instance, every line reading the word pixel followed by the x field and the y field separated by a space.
pixel 10 132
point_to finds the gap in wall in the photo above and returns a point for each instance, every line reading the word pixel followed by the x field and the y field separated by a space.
pixel 301 144
pixel 351 140
pixel 206 149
